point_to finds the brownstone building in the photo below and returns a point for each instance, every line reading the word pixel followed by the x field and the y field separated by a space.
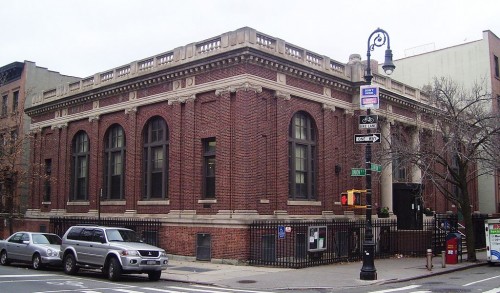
pixel 19 82
pixel 212 136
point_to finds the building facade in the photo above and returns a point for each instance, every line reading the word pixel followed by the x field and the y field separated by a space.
pixel 19 82
pixel 214 135
pixel 467 64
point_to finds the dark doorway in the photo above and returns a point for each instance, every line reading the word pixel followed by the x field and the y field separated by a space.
pixel 407 204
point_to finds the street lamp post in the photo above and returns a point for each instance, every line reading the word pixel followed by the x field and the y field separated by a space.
pixel 368 272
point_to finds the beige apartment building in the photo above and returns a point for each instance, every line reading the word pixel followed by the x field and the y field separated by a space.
pixel 467 64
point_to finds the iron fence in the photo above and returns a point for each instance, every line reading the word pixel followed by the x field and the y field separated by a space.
pixel 148 229
pixel 298 244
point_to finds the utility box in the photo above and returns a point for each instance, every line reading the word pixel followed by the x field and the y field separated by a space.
pixel 492 232
pixel 451 249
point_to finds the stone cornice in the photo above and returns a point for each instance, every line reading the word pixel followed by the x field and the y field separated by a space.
pixel 244 82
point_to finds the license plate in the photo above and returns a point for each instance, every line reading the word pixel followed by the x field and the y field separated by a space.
pixel 151 262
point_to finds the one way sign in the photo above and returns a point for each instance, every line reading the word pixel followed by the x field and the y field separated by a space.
pixel 367 138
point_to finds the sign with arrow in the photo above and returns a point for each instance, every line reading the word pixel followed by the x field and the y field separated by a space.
pixel 367 138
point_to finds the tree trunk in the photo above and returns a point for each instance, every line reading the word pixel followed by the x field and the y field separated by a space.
pixel 469 228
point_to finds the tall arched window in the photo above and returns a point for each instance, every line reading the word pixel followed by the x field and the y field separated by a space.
pixel 302 157
pixel 80 166
pixel 114 163
pixel 156 159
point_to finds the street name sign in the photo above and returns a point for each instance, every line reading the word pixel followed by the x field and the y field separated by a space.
pixel 358 172
pixel 367 138
pixel 376 167
pixel 369 97
pixel 368 121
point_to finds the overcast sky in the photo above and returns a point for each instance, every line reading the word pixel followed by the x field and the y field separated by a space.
pixel 80 38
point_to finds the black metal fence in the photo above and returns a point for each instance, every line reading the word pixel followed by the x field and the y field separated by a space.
pixel 298 244
pixel 310 243
pixel 148 229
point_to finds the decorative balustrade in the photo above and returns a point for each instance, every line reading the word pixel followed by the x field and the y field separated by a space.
pixel 314 59
pixel 266 42
pixel 124 71
pixel 107 76
pixel 164 59
pixel 209 46
pixel 225 42
pixel 293 52
pixel 146 64
pixel 337 67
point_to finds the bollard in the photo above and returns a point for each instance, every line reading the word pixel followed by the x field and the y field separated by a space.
pixel 429 259
pixel 443 259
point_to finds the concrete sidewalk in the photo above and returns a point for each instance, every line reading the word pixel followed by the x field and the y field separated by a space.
pixel 342 275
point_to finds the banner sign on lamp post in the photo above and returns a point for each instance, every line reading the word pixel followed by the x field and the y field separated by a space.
pixel 369 97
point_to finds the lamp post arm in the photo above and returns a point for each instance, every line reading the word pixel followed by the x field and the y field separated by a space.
pixel 377 38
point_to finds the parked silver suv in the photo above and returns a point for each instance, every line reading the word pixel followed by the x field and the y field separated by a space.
pixel 115 251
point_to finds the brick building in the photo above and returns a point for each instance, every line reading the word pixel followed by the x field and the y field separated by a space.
pixel 212 136
pixel 19 82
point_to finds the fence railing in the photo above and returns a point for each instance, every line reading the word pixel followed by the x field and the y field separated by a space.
pixel 298 244
pixel 148 229
pixel 310 243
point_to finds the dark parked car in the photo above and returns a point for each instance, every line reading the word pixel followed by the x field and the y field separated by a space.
pixel 39 249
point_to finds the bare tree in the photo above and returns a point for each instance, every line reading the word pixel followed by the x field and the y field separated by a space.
pixel 462 146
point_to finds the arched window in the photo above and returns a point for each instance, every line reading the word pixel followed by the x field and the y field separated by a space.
pixel 155 159
pixel 114 163
pixel 80 166
pixel 302 157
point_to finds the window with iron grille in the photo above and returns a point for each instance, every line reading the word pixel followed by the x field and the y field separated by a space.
pixel 114 165
pixel 80 170
pixel 156 144
pixel 302 157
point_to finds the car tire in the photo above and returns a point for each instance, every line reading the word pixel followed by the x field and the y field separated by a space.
pixel 114 269
pixel 154 275
pixel 36 262
pixel 3 258
pixel 69 264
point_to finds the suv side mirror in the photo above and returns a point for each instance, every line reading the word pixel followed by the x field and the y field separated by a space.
pixel 103 239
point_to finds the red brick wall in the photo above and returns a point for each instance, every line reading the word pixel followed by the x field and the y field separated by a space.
pixel 226 243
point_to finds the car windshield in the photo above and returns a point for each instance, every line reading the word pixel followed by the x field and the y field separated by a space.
pixel 46 239
pixel 121 235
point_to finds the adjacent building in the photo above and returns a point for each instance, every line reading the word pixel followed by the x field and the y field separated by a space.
pixel 19 82
pixel 214 135
pixel 467 64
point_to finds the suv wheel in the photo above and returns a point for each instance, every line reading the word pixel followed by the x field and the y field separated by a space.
pixel 154 275
pixel 3 258
pixel 36 262
pixel 69 264
pixel 114 269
